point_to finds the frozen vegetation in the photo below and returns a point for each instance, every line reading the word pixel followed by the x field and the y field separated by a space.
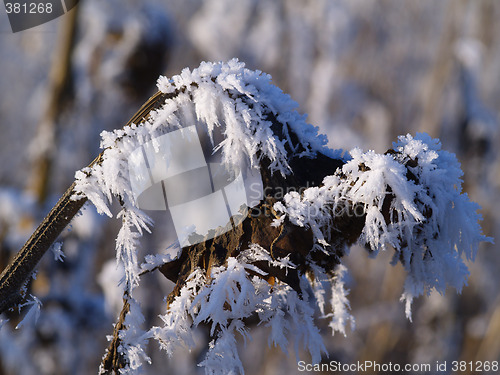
pixel 364 72
pixel 430 223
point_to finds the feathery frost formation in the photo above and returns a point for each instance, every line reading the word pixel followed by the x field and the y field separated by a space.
pixel 211 96
pixel 410 197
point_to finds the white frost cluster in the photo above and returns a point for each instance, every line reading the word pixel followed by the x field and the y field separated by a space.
pixel 413 201
pixel 33 313
pixel 226 99
pixel 410 199
pixel 237 108
pixel 133 340
pixel 228 296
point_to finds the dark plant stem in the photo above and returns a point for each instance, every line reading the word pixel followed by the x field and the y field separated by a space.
pixel 15 275
pixel 113 360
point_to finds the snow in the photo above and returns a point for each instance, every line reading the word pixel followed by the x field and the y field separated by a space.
pixel 152 262
pixel 222 356
pixel 432 225
pixel 227 99
pixel 57 251
pixel 133 339
pixel 177 326
pixel 33 313
pixel 429 222
pixel 225 299
pixel 340 314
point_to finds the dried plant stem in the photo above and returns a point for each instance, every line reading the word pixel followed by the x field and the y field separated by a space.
pixel 14 276
pixel 113 360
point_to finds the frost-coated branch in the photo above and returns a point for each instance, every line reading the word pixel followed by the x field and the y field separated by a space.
pixel 282 262
pixel 288 250
pixel 411 198
pixel 16 274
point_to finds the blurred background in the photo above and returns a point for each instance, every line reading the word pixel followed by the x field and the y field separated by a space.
pixel 364 71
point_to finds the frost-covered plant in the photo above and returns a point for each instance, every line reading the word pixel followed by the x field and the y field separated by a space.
pixel 282 263
pixel 412 199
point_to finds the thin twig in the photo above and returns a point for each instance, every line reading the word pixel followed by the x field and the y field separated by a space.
pixel 14 277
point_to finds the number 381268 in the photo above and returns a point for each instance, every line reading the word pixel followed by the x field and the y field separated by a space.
pixel 28 8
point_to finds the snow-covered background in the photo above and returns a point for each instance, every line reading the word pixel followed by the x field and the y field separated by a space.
pixel 364 72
